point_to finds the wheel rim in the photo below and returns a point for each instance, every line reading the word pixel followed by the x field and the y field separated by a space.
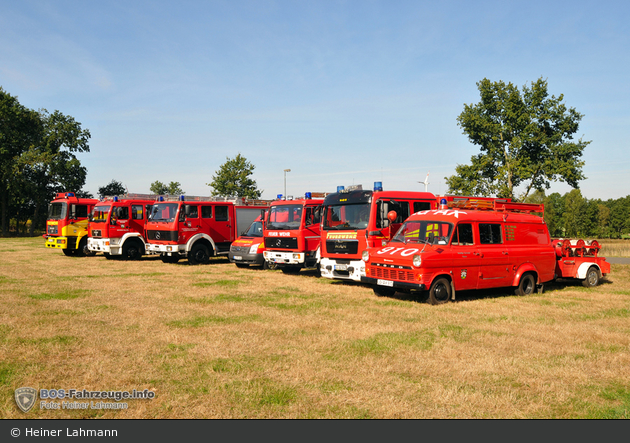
pixel 529 286
pixel 592 278
pixel 441 292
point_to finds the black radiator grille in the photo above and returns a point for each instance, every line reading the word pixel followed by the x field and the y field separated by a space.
pixel 342 247
pixel 162 235
pixel 281 243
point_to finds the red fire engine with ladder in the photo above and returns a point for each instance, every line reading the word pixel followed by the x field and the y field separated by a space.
pixel 473 243
pixel 198 227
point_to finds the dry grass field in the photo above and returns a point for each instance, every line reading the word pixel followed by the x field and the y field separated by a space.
pixel 216 341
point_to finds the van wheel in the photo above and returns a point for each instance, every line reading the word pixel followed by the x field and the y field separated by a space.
pixel 384 291
pixel 198 255
pixel 131 250
pixel 440 291
pixel 592 277
pixel 527 285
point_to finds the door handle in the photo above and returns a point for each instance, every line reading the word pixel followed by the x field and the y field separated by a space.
pixel 478 253
pixel 505 253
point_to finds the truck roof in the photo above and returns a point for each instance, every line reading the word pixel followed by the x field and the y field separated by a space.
pixel 455 215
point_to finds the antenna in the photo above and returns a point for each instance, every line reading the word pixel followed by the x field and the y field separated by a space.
pixel 426 183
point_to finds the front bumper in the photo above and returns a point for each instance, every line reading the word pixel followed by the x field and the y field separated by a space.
pixel 352 270
pixel 104 245
pixel 285 258
pixel 152 248
pixel 246 258
pixel 393 283
pixel 57 242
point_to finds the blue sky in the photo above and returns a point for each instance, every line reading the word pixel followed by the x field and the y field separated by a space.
pixel 340 92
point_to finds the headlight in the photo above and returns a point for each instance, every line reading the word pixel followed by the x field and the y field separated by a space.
pixel 254 248
pixel 417 260
pixel 365 256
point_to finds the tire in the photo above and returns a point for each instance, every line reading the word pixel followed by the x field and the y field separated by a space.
pixel 199 255
pixel 440 291
pixel 108 256
pixel 81 251
pixel 527 285
pixel 170 258
pixel 132 250
pixel 384 291
pixel 592 277
pixel 68 252
pixel 270 265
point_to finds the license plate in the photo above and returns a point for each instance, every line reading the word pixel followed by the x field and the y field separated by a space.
pixel 385 282
pixel 341 267
pixel 237 257
pixel 51 240
pixel 279 260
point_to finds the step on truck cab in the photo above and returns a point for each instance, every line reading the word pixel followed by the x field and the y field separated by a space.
pixel 117 226
pixel 67 224
pixel 249 247
pixel 292 232
pixel 198 228
pixel 354 219
pixel 468 243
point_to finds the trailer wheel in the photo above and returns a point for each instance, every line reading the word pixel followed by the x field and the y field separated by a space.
pixel 527 285
pixel 592 277
pixel 199 255
pixel 440 291
pixel 384 291
pixel 131 250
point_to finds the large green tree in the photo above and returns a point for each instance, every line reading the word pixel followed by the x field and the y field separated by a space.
pixel 111 189
pixel 526 138
pixel 159 188
pixel 232 179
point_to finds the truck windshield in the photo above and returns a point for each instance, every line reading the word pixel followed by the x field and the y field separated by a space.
pixel 164 212
pixel 99 214
pixel 255 230
pixel 353 216
pixel 424 231
pixel 285 217
pixel 57 211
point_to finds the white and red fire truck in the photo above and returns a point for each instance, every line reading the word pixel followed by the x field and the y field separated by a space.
pixel 292 233
pixel 354 219
pixel 473 243
pixel 198 227
pixel 67 224
pixel 117 226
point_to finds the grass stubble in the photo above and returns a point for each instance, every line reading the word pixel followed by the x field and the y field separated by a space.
pixel 216 341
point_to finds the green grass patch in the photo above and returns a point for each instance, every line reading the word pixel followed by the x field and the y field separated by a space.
pixel 261 392
pixel 220 283
pixel 387 342
pixel 55 340
pixel 197 322
pixel 68 294
pixel 606 314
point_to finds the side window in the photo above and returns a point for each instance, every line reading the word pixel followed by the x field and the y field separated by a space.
pixel 313 215
pixel 463 235
pixel 421 206
pixel 124 212
pixel 221 213
pixel 137 212
pixel 82 211
pixel 193 211
pixel 206 212
pixel 490 234
pixel 383 208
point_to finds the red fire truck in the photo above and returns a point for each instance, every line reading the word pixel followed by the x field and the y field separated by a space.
pixel 67 224
pixel 249 247
pixel 117 226
pixel 198 227
pixel 467 244
pixel 355 219
pixel 292 233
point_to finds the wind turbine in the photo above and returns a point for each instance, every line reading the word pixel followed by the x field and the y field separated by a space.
pixel 426 183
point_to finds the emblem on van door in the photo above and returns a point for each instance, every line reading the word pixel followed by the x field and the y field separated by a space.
pixel 464 274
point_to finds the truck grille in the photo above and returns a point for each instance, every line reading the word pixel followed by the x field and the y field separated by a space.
pixel 162 235
pixel 281 243
pixel 342 247
pixel 96 233
pixel 392 274
pixel 239 248
pixel 52 229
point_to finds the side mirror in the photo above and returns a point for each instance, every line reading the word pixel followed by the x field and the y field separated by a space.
pixel 73 212
pixel 392 216
pixel 187 210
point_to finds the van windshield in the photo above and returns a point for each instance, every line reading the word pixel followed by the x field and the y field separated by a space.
pixel 255 230
pixel 349 216
pixel 424 231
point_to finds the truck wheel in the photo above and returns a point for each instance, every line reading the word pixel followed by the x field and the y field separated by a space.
pixel 527 285
pixel 108 256
pixel 131 250
pixel 592 277
pixel 440 291
pixel 270 265
pixel 68 252
pixel 198 255
pixel 384 291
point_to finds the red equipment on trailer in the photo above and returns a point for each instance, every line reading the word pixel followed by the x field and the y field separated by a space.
pixel 579 259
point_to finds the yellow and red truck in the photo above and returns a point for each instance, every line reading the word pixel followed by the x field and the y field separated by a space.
pixel 67 224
